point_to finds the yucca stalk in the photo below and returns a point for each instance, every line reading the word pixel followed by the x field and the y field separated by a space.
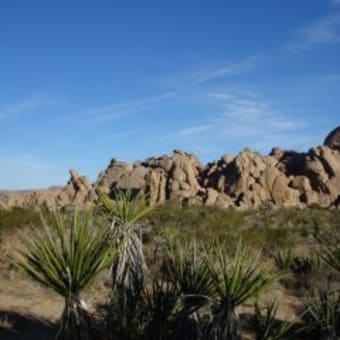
pixel 236 279
pixel 67 257
pixel 129 267
pixel 266 325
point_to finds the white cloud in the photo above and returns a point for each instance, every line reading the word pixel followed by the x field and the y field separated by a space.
pixel 320 32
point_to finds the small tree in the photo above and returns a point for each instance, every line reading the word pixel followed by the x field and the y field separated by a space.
pixel 67 258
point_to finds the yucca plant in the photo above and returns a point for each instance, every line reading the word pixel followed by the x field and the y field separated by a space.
pixel 322 315
pixel 67 257
pixel 186 267
pixel 125 208
pixel 283 259
pixel 129 267
pixel 267 326
pixel 162 306
pixel 330 253
pixel 236 279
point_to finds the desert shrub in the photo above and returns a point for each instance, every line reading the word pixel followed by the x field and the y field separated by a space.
pixel 200 222
pixel 19 217
pixel 268 237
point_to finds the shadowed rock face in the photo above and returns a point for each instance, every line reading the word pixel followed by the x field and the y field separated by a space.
pixel 333 139
pixel 247 180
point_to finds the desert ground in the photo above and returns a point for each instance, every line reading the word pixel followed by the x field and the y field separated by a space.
pixel 30 311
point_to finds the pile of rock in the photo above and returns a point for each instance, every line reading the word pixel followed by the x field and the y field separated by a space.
pixel 247 180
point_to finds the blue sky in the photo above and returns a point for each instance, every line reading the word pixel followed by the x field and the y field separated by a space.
pixel 85 81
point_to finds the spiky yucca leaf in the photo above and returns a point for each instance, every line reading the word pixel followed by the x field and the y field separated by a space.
pixel 241 276
pixel 125 208
pixel 330 253
pixel 129 268
pixel 236 279
pixel 188 268
pixel 283 259
pixel 67 257
pixel 167 316
pixel 267 327
pixel 323 314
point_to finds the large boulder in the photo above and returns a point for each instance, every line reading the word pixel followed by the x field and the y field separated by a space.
pixel 78 191
pixel 162 178
pixel 333 139
pixel 251 180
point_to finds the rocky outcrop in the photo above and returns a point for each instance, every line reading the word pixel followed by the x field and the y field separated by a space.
pixel 161 178
pixel 333 139
pixel 77 192
pixel 243 181
pixel 251 180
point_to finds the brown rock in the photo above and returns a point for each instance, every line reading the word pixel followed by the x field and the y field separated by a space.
pixel 333 139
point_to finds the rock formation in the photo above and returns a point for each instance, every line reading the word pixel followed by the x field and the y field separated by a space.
pixel 333 139
pixel 247 180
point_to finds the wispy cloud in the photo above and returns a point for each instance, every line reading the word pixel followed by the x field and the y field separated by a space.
pixel 320 32
pixel 184 81
pixel 106 113
pixel 194 130
pixel 228 70
pixel 20 106
pixel 182 84
pixel 335 2
pixel 121 135
pixel 244 119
